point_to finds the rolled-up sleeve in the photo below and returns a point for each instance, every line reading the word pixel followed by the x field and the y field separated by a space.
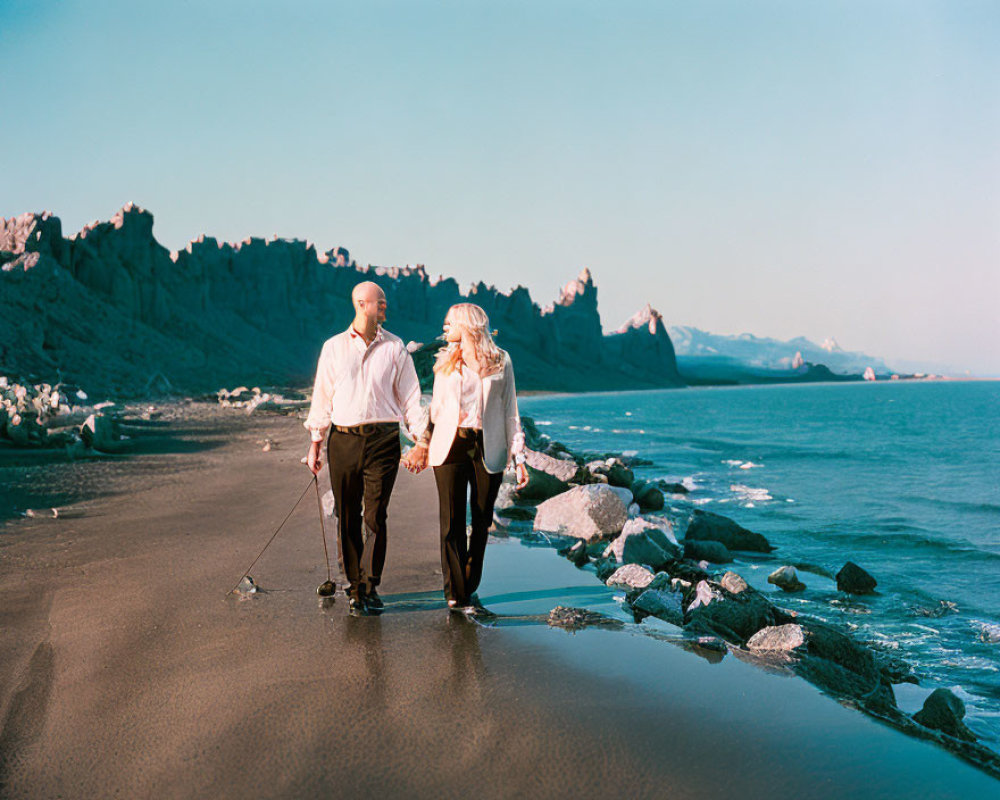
pixel 318 421
pixel 407 389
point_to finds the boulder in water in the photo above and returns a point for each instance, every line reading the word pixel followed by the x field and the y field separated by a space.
pixel 854 580
pixel 577 618
pixel 787 579
pixel 943 711
pixel 662 604
pixel 586 512
pixel 706 526
pixel 715 552
pixel 648 496
pixel 547 476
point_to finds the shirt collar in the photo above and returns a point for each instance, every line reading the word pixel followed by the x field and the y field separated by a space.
pixel 359 339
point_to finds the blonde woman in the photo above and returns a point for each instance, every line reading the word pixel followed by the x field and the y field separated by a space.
pixel 473 434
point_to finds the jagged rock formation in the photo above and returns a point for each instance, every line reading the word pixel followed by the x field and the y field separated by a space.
pixel 111 308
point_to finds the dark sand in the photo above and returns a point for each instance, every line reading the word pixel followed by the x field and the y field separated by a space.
pixel 127 671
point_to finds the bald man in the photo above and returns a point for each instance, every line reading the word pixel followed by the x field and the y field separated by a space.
pixel 365 385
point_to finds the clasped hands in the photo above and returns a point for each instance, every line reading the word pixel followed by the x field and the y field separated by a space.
pixel 415 460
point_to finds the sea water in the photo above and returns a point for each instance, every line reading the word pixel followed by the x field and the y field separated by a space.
pixel 901 478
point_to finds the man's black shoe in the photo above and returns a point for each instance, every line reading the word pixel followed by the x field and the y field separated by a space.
pixel 373 601
pixel 356 604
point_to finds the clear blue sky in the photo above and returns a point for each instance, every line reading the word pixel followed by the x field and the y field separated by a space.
pixel 782 168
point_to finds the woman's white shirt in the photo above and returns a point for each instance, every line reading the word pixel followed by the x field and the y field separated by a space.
pixel 501 424
pixel 471 403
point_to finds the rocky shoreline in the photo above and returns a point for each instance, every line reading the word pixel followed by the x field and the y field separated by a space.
pixel 669 561
pixel 636 536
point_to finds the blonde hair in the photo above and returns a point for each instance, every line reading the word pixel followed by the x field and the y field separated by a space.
pixel 471 318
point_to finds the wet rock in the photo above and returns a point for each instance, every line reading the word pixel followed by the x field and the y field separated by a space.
pixel 605 568
pixel 706 526
pixel 838 664
pixel 943 711
pixel 586 512
pixel 648 496
pixel 715 552
pixel 733 583
pixel 777 637
pixel 630 577
pixel 576 553
pixel 734 617
pixel 854 580
pixel 787 579
pixel 547 476
pixel 100 432
pixel 665 605
pixel 672 488
pixel 644 542
pixel 623 493
pixel 575 619
pixel 533 437
pixel 614 469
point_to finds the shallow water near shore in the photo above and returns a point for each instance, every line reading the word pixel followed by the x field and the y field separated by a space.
pixel 903 479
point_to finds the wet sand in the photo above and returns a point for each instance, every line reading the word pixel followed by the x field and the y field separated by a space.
pixel 126 669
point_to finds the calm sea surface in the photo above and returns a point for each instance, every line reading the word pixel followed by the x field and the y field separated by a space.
pixel 903 479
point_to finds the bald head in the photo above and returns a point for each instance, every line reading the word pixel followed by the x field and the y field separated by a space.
pixel 369 305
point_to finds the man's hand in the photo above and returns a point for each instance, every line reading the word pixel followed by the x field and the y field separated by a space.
pixel 521 471
pixel 416 459
pixel 314 458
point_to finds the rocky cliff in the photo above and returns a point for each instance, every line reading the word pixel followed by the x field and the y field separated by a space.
pixel 111 308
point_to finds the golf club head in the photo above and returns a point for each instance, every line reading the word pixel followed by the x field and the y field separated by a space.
pixel 326 589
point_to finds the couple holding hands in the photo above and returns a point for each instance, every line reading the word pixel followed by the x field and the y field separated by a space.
pixel 365 384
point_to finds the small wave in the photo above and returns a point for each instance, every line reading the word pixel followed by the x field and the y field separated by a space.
pixel 750 465
pixel 750 493
pixel 690 484
pixel 543 422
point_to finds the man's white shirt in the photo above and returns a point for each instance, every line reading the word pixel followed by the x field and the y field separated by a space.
pixel 359 383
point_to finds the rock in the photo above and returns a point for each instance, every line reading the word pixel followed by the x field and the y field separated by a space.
pixel 624 494
pixel 786 578
pixel 506 497
pixel 734 583
pixel 704 594
pixel 586 512
pixel 943 711
pixel 576 618
pixel 777 637
pixel 101 433
pixel 662 604
pixel 706 526
pixel 649 549
pixel 577 553
pixel 648 496
pixel 547 476
pixel 533 437
pixel 634 510
pixel 630 576
pixel 715 552
pixel 605 568
pixel 840 665
pixel 672 488
pixel 989 632
pixel 619 474
pixel 734 617
pixel 854 580
pixel 660 532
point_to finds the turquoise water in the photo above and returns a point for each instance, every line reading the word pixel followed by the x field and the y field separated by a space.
pixel 902 478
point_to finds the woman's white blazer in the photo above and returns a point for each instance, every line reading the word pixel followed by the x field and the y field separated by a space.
pixel 501 422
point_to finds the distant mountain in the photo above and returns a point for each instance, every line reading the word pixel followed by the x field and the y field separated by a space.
pixel 110 308
pixel 762 353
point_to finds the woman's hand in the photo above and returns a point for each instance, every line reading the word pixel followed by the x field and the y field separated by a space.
pixel 314 458
pixel 521 471
pixel 416 459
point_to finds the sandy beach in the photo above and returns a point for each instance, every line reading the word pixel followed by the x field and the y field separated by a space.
pixel 128 670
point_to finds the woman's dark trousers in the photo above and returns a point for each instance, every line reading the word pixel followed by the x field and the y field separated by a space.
pixel 462 481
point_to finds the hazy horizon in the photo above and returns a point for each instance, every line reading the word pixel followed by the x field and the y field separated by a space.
pixel 820 171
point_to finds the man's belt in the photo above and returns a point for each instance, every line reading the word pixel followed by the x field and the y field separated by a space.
pixel 367 428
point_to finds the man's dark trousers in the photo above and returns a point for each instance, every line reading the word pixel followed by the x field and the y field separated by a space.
pixel 364 461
